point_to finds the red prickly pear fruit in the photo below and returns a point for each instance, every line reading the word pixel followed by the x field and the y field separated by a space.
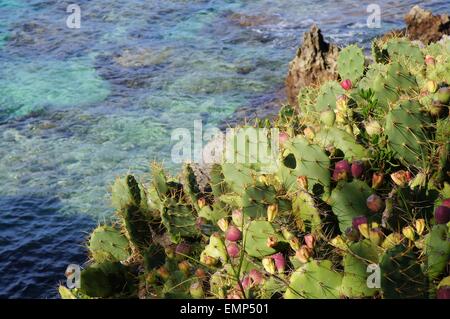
pixel 310 241
pixel 233 234
pixel 360 220
pixel 183 249
pixel 246 282
pixel 343 166
pixel 357 169
pixel 163 273
pixel 233 250
pixel 443 293
pixel 429 60
pixel 200 273
pixel 446 202
pixel 375 203
pixel 283 137
pixel 442 214
pixel 377 180
pixel 184 266
pixel 346 84
pixel 256 277
pixel 280 262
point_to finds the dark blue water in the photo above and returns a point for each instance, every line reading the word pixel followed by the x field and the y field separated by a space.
pixel 81 106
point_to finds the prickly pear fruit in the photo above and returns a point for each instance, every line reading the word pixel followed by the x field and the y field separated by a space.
pixel 184 267
pixel 201 202
pixel 280 262
pixel 342 169
pixel 375 203
pixel 223 224
pixel 328 117
pixel 352 234
pixel 196 290
pixel 283 137
pixel 272 241
pixel 377 180
pixel 431 86
pixel 359 221
pixel 256 277
pixel 200 273
pixel 446 202
pixel 310 241
pixel 183 249
pixel 392 240
pixel 233 234
pixel 303 254
pixel 346 84
pixel 246 282
pixel 272 212
pixel 233 250
pixel 409 233
pixel 401 178
pixel 163 273
pixel 357 169
pixel 269 265
pixel 443 293
pixel 420 226
pixel 429 60
pixel 294 243
pixel 309 133
pixel 442 214
pixel 237 217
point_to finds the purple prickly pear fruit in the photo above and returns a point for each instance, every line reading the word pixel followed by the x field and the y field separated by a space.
pixel 280 262
pixel 183 249
pixel 233 234
pixel 283 137
pixel 443 293
pixel 442 214
pixel 343 166
pixel 256 277
pixel 375 203
pixel 339 175
pixel 360 220
pixel 310 241
pixel 377 180
pixel 352 234
pixel 357 169
pixel 233 250
pixel 346 84
pixel 446 202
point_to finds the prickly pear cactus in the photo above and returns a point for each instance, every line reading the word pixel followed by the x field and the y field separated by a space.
pixel 350 63
pixel 107 243
pixel 256 235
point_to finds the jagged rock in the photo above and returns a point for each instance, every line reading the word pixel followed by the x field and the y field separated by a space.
pixel 424 26
pixel 314 63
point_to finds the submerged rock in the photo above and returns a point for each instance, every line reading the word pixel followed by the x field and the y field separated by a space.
pixel 142 57
pixel 245 20
pixel 314 63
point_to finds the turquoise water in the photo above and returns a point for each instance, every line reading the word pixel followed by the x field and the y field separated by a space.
pixel 81 106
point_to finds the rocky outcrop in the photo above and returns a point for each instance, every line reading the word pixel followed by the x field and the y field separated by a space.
pixel 314 63
pixel 424 26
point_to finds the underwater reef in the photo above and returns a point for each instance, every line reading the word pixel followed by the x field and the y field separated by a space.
pixel 361 182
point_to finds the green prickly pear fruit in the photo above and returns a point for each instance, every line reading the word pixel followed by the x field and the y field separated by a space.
pixel 442 214
pixel 237 217
pixel 443 95
pixel 208 260
pixel 233 250
pixel 420 226
pixel 310 241
pixel 196 290
pixel 328 117
pixel 339 243
pixel 346 84
pixel 272 212
pixel 431 86
pixel 376 235
pixel 409 232
pixel 373 128
pixel 233 234
pixel 377 180
pixel 269 265
pixel 223 224
pixel 375 203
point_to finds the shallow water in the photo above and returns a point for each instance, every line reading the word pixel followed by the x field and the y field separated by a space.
pixel 80 106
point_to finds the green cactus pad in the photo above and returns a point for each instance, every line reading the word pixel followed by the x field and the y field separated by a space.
pixel 191 187
pixel 126 191
pixel 256 199
pixel 403 51
pixel 437 250
pixel 179 221
pixel 342 140
pixel 255 238
pixel 350 63
pixel 401 274
pixel 406 128
pixel 356 260
pixel 314 280
pixel 305 211
pixel 107 243
pixel 328 94
pixel 305 159
pixel 348 200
